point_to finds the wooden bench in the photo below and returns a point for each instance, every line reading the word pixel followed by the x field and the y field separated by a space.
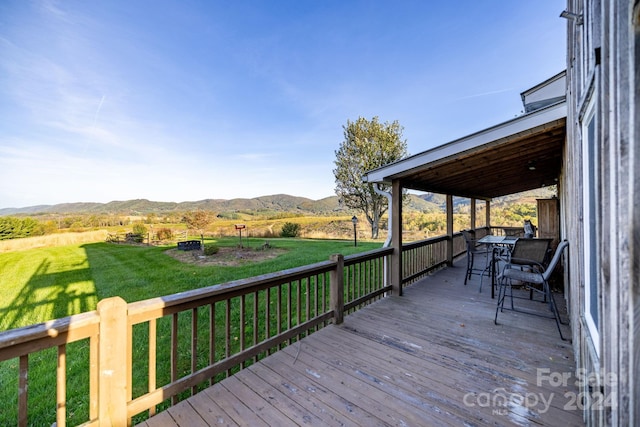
pixel 189 245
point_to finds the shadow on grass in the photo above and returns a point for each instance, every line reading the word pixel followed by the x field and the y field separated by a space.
pixel 49 295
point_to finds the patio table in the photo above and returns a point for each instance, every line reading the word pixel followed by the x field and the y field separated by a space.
pixel 498 243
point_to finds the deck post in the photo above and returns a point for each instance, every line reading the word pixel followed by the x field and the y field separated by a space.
pixel 473 213
pixel 488 215
pixel 112 362
pixel 396 238
pixel 449 229
pixel 337 289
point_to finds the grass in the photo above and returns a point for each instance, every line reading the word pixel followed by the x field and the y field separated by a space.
pixel 48 283
pixel 53 240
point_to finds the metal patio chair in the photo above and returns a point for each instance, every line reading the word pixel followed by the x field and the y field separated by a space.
pixel 474 251
pixel 528 253
pixel 539 275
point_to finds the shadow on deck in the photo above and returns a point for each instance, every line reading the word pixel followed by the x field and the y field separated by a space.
pixel 431 357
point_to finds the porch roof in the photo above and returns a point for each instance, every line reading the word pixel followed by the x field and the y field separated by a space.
pixel 518 155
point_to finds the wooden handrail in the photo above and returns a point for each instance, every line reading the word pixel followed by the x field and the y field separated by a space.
pixel 142 311
pixel 33 338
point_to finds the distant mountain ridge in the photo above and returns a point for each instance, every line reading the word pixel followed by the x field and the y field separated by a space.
pixel 277 202
pixel 427 202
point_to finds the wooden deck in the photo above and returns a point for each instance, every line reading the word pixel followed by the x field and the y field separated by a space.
pixel 431 357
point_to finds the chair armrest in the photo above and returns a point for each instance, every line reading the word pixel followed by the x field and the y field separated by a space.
pixel 528 262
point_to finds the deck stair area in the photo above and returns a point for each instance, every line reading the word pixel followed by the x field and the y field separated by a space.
pixel 431 357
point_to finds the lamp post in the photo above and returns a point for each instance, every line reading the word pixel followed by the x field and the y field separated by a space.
pixel 354 220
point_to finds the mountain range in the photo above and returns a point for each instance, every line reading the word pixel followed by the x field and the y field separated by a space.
pixel 427 202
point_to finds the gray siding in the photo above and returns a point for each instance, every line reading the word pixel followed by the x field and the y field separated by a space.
pixel 602 57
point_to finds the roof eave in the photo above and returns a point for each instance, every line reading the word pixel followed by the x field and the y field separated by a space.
pixel 387 174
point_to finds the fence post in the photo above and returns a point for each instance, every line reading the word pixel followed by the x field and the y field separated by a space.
pixel 112 362
pixel 337 288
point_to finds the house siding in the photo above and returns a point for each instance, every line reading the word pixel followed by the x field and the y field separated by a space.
pixel 602 60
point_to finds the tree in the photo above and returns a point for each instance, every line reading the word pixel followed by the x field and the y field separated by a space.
pixel 367 145
pixel 198 220
pixel 290 229
pixel 15 228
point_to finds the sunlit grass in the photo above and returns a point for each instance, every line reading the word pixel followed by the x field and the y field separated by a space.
pixel 44 284
pixel 53 240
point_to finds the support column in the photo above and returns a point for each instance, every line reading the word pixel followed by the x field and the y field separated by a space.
pixel 473 214
pixel 487 221
pixel 396 238
pixel 449 229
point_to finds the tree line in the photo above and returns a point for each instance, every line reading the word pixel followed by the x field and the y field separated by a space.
pixel 431 223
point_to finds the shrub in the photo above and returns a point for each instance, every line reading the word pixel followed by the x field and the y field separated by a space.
pixel 290 229
pixel 164 234
pixel 140 229
pixel 211 249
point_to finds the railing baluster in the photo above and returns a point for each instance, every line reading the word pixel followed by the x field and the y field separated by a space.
pixel 308 297
pixel 93 377
pixel 174 353
pixel 279 306
pixel 241 327
pixel 23 388
pixel 357 270
pixel 194 345
pixel 323 295
pixel 212 338
pixel 227 326
pixel 129 364
pixel 316 284
pixel 356 283
pixel 299 301
pixel 361 274
pixel 370 274
pixel 153 346
pixel 61 387
pixel 354 292
pixel 267 316
pixel 256 307
pixel 337 289
pixel 289 308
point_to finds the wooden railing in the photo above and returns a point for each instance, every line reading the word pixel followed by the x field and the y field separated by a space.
pixel 130 361
pixel 508 231
pixel 422 257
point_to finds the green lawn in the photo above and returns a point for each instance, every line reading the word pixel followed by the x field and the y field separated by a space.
pixel 48 283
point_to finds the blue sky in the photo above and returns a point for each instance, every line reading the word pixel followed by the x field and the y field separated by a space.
pixel 191 100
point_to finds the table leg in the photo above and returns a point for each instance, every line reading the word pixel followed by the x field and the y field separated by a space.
pixel 493 272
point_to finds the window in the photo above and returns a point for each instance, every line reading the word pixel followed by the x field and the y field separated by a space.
pixel 590 217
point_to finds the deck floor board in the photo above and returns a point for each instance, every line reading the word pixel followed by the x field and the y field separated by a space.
pixel 432 357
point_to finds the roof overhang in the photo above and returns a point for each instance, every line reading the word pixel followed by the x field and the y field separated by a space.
pixel 518 155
